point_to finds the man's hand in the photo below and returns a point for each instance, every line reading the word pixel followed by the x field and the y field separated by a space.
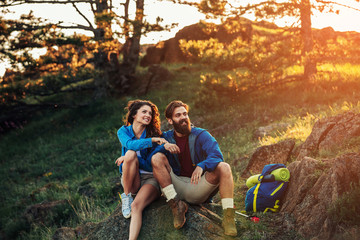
pixel 159 140
pixel 120 160
pixel 172 148
pixel 195 177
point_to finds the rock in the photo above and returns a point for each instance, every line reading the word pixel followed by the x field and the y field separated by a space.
pixel 154 55
pixel 169 51
pixel 158 224
pixel 321 36
pixel 85 229
pixel 330 132
pixel 314 187
pixel 64 233
pixel 47 213
pixel 276 153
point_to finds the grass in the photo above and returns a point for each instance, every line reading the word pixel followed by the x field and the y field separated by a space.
pixel 69 154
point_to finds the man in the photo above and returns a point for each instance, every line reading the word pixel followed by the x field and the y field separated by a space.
pixel 192 169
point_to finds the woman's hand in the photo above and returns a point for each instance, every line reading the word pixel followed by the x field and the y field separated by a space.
pixel 172 148
pixel 158 140
pixel 120 160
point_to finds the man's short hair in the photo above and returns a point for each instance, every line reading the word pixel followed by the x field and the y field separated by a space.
pixel 171 107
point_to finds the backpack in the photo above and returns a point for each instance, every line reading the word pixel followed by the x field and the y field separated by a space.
pixel 266 196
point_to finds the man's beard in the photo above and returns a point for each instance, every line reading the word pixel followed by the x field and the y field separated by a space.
pixel 183 129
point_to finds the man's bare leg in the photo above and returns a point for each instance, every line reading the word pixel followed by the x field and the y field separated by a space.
pixel 161 171
pixel 222 175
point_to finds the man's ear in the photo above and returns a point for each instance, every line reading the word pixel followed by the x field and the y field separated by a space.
pixel 170 121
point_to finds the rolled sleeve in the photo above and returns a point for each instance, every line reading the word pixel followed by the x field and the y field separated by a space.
pixel 127 140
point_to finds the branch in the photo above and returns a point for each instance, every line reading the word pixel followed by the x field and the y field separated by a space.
pixel 81 14
pixel 17 3
pixel 12 4
pixel 285 80
pixel 87 28
pixel 339 4
pixel 184 2
pixel 58 2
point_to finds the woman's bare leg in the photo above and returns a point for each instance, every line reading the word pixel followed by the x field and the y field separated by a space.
pixel 130 172
pixel 147 194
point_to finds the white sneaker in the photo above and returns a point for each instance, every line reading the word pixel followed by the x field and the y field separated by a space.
pixel 126 201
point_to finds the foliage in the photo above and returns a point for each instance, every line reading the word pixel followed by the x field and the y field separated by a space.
pixel 242 66
pixel 263 60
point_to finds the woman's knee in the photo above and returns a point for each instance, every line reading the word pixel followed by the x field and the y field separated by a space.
pixel 130 156
pixel 136 207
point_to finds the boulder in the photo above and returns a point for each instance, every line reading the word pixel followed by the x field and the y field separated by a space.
pixel 321 36
pixel 330 132
pixel 276 153
pixel 201 223
pixel 154 55
pixel 169 51
pixel 314 187
pixel 84 229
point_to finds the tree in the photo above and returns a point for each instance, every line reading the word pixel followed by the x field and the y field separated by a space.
pixel 72 63
pixel 270 9
pixel 106 42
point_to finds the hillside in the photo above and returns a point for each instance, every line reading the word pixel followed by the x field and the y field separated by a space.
pixel 172 50
pixel 65 158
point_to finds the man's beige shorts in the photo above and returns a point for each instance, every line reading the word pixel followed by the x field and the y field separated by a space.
pixel 192 193
pixel 146 178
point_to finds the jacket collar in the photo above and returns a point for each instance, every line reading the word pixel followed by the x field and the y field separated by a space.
pixel 143 135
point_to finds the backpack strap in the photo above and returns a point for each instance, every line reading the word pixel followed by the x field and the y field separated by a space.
pixel 276 208
pixel 277 189
pixel 255 196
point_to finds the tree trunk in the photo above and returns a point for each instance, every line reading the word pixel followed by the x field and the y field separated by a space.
pixel 102 34
pixel 308 43
pixel 131 48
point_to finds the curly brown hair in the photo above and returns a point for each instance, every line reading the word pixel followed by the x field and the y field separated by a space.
pixel 153 129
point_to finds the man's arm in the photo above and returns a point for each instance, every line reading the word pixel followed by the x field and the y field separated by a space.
pixel 212 150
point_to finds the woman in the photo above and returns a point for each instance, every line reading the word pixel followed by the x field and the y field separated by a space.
pixel 138 136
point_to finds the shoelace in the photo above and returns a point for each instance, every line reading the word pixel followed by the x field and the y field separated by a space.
pixel 126 202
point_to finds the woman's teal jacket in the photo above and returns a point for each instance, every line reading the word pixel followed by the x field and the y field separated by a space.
pixel 142 146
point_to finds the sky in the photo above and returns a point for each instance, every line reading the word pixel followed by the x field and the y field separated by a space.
pixel 347 20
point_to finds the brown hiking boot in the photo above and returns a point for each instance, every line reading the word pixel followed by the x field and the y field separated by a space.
pixel 179 208
pixel 229 222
